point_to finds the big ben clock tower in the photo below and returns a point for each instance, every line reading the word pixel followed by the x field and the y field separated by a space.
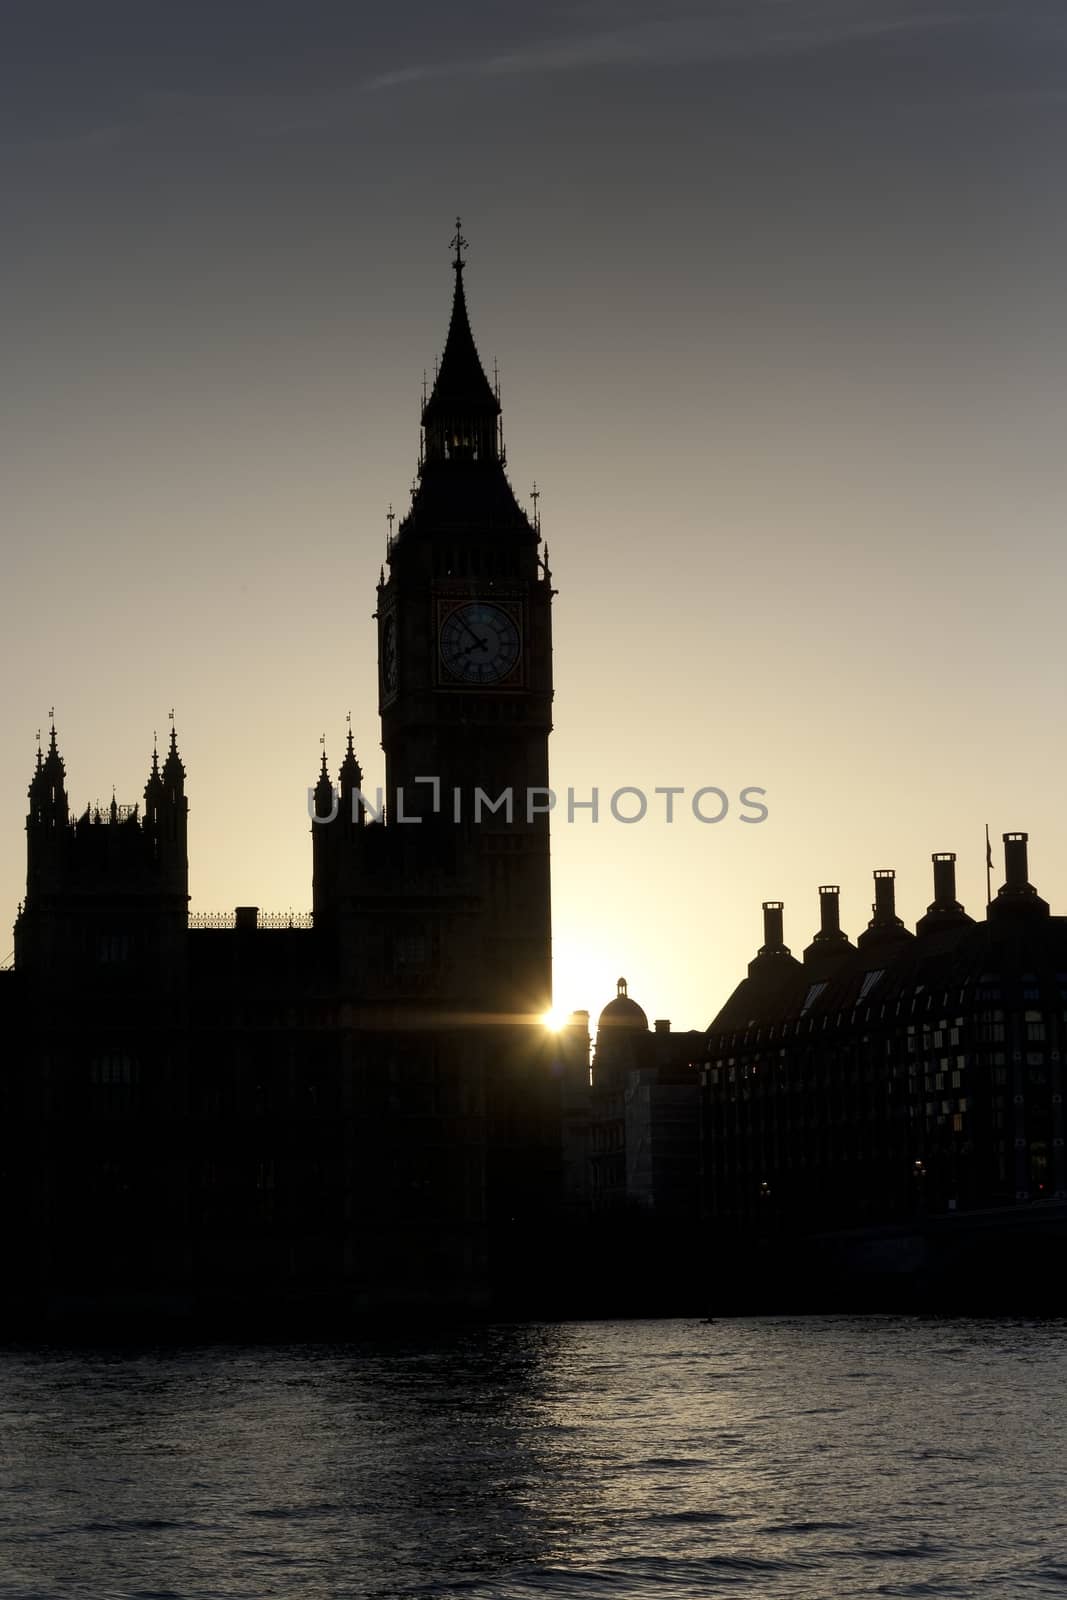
pixel 465 674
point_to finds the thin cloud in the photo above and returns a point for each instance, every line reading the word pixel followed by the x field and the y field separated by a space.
pixel 671 42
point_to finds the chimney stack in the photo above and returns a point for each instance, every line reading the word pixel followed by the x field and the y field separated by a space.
pixel 944 878
pixel 1017 892
pixel 945 910
pixel 884 925
pixel 829 944
pixel 773 934
pixel 1016 870
pixel 829 911
pixel 885 895
pixel 773 960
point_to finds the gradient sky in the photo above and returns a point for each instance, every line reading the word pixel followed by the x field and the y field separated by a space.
pixel 776 288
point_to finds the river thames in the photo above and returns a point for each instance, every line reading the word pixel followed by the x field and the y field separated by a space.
pixel 812 1458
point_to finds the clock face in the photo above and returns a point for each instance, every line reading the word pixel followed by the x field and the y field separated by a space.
pixel 389 654
pixel 479 643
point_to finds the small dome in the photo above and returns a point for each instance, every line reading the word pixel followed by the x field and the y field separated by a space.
pixel 622 1012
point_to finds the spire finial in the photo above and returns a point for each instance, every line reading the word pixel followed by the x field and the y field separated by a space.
pixel 459 244
pixel 535 495
pixel 390 517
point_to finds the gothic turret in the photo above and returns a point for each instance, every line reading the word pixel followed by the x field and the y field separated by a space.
pixel 46 822
pixel 172 815
pixel 110 890
pixel 153 789
pixel 350 780
pixel 165 824
pixel 48 794
pixel 173 771
pixel 325 798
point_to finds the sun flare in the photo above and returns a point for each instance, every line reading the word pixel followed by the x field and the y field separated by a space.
pixel 555 1019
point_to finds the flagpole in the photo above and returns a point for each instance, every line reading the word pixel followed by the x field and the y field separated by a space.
pixel 988 868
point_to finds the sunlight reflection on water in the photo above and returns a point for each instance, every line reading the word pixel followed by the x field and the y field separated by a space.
pixel 777 1457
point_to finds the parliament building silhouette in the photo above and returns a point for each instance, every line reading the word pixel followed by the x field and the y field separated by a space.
pixel 266 1122
pixel 361 1112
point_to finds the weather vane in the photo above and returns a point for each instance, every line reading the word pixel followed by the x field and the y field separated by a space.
pixel 459 244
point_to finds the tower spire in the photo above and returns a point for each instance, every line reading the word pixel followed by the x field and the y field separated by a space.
pixel 460 418
pixel 350 776
pixel 324 792
pixel 173 769
pixel 458 244
pixel 153 789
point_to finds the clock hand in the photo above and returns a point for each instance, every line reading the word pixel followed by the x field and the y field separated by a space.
pixel 479 644
pixel 465 624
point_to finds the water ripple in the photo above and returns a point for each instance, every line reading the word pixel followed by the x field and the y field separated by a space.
pixel 780 1458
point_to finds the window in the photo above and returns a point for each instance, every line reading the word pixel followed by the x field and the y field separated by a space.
pixel 112 948
pixel 869 981
pixel 110 1069
pixel 812 995
pixel 410 952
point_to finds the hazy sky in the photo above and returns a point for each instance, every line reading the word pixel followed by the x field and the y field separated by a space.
pixel 776 288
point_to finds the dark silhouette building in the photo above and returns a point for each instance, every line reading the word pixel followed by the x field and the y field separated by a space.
pixel 358 1110
pixel 911 1077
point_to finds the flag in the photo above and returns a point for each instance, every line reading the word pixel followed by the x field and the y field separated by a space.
pixel 988 849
